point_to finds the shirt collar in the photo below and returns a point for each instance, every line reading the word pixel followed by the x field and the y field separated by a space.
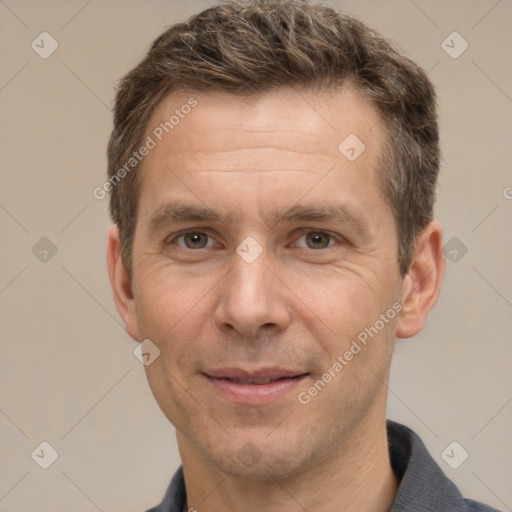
pixel 423 485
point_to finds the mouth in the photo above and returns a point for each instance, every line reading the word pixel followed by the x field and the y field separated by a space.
pixel 258 382
pixel 254 387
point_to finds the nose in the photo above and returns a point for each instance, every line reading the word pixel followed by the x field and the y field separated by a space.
pixel 252 299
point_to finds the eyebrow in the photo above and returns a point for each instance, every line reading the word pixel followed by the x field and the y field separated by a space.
pixel 176 212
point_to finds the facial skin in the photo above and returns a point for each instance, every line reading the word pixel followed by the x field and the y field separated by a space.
pixel 299 305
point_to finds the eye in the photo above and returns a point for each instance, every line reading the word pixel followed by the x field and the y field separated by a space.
pixel 317 240
pixel 192 240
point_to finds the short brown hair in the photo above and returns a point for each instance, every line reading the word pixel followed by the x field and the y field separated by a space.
pixel 253 47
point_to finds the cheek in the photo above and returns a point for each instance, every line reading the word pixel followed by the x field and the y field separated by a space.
pixel 343 303
pixel 172 316
pixel 349 326
pixel 170 309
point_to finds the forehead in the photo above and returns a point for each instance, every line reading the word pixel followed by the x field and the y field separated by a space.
pixel 298 120
pixel 283 141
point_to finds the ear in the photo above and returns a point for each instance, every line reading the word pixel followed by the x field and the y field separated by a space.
pixel 422 284
pixel 121 284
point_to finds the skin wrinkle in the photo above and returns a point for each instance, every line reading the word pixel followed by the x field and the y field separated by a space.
pixel 213 161
pixel 249 149
pixel 252 171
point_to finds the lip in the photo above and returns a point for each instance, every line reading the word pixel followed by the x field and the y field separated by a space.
pixel 226 382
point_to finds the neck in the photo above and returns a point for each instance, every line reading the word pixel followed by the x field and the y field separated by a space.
pixel 357 474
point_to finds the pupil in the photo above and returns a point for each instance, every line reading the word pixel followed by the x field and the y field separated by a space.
pixel 317 239
pixel 195 239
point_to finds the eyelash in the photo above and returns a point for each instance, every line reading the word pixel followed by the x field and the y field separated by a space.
pixel 332 238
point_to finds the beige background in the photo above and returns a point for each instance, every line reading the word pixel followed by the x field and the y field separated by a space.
pixel 68 375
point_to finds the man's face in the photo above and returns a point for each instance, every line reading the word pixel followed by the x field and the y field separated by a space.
pixel 280 252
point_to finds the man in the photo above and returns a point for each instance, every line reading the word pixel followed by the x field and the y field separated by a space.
pixel 272 171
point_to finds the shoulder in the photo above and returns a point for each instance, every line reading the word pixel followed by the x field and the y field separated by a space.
pixel 475 506
pixel 423 486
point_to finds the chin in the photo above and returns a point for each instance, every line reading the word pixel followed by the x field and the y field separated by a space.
pixel 264 460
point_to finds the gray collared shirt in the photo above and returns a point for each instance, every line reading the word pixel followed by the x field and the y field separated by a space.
pixel 423 486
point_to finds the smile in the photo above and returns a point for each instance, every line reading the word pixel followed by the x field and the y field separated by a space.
pixel 253 388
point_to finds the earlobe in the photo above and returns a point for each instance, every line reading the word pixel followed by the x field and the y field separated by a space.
pixel 422 284
pixel 121 284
